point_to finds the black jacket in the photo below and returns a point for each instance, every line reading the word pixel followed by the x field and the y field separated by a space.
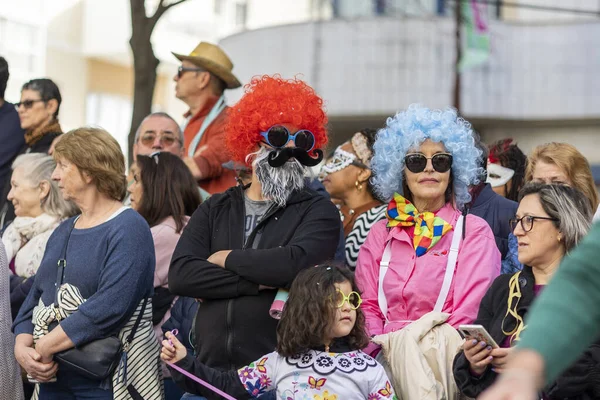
pixel 233 325
pixel 497 211
pixel 581 381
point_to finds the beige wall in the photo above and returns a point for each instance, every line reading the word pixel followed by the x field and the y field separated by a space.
pixel 66 66
pixel 105 77
pixel 63 67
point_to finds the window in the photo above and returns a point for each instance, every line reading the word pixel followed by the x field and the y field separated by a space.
pixel 241 14
pixel 22 52
pixel 111 112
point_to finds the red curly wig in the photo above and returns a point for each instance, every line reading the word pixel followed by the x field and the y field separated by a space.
pixel 268 101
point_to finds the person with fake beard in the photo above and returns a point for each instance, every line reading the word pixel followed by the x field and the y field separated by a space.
pixel 242 245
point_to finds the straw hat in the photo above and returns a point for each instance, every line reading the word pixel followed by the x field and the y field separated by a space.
pixel 212 58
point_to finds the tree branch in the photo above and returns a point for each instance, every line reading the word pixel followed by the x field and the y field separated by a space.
pixel 162 8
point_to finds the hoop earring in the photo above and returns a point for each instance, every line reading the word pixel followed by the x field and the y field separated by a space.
pixel 358 185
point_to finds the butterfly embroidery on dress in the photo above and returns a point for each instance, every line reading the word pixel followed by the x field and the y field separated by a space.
pixel 387 391
pixel 261 366
pixel 316 383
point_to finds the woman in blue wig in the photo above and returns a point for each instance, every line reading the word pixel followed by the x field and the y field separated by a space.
pixel 430 157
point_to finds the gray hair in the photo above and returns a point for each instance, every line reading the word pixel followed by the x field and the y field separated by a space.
pixel 38 167
pixel 163 115
pixel 569 206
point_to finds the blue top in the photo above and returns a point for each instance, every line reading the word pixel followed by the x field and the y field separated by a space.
pixel 111 264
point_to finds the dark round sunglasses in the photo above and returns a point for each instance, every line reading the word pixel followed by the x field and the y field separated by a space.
pixel 416 162
pixel 277 136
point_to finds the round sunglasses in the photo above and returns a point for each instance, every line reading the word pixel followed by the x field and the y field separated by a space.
pixel 353 299
pixel 278 136
pixel 417 162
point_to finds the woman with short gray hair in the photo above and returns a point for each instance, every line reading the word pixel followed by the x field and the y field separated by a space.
pixel 550 221
pixel 39 208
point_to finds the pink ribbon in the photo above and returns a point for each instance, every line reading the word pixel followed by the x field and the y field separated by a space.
pixel 194 377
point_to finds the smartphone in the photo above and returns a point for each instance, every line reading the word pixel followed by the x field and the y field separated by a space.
pixel 479 333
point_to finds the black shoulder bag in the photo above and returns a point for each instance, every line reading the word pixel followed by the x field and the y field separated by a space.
pixel 98 359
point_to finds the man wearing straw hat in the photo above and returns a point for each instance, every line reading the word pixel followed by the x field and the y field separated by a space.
pixel 201 80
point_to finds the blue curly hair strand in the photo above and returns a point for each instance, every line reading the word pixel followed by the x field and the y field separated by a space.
pixel 407 130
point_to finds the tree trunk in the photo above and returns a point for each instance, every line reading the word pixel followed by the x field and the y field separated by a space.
pixel 145 63
pixel 144 66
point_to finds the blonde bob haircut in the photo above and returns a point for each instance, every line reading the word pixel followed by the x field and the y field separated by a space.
pixel 571 162
pixel 96 153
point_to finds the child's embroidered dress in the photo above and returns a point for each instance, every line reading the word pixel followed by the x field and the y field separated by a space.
pixel 314 375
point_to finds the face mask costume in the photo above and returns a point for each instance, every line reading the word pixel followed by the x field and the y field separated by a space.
pixel 277 128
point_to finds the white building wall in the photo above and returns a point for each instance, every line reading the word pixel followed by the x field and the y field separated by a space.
pixel 540 71
pixel 379 65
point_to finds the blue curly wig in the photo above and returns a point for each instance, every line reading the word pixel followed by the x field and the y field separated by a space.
pixel 407 130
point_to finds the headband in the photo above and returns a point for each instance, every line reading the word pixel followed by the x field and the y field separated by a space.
pixel 359 144
pixel 340 160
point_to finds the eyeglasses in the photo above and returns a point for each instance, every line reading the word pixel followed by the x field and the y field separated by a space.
pixel 277 136
pixel 183 69
pixel 27 104
pixel 527 222
pixel 353 299
pixel 417 162
pixel 148 139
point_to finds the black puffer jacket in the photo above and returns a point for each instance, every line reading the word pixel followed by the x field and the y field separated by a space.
pixel 580 382
pixel 233 325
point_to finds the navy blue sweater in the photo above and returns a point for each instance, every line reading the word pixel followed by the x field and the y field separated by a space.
pixel 12 139
pixel 112 265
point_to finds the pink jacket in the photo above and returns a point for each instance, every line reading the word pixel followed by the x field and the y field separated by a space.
pixel 165 239
pixel 412 283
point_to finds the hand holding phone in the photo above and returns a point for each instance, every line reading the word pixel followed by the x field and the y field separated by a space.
pixel 478 347
pixel 479 333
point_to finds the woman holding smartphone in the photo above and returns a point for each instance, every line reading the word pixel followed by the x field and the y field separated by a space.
pixel 550 222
